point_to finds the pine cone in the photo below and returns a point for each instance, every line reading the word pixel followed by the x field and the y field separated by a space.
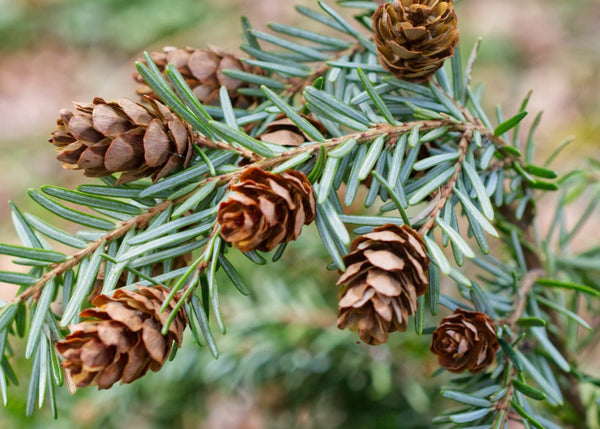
pixel 122 338
pixel 202 70
pixel 284 132
pixel 265 209
pixel 108 137
pixel 414 37
pixel 465 340
pixel 386 272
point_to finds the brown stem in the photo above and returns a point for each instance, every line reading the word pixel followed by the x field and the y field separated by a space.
pixel 142 220
pixel 527 284
pixel 298 84
pixel 519 306
pixel 536 266
pixel 446 191
pixel 504 404
pixel 120 231
pixel 203 141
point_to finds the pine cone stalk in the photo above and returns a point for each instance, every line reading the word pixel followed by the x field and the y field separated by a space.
pixel 266 209
pixel 120 338
pixel 122 136
pixel 414 37
pixel 387 270
pixel 465 341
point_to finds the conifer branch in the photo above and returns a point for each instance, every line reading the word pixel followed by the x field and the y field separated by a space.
pixel 446 192
pixel 519 305
pixel 59 269
pixel 537 269
pixel 388 130
pixel 376 111
pixel 533 257
pixel 203 141
pixel 526 285
pixel 297 85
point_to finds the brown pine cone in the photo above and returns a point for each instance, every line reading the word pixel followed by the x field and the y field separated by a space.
pixel 284 132
pixel 266 209
pixel 202 70
pixel 109 137
pixel 121 340
pixel 465 340
pixel 386 271
pixel 414 37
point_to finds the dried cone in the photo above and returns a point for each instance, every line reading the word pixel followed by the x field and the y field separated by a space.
pixel 387 270
pixel 465 340
pixel 122 136
pixel 284 132
pixel 202 70
pixel 266 209
pixel 414 37
pixel 121 340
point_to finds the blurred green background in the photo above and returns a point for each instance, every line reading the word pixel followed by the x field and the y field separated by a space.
pixel 283 362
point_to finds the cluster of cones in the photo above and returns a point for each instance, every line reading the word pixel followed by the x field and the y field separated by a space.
pixel 145 139
pixel 413 38
pixel 387 270
pixel 120 336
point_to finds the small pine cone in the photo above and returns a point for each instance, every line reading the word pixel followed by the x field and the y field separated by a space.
pixel 266 209
pixel 387 270
pixel 121 340
pixel 284 132
pixel 414 37
pixel 465 340
pixel 109 137
pixel 202 70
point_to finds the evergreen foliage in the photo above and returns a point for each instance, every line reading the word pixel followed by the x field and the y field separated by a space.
pixel 430 158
